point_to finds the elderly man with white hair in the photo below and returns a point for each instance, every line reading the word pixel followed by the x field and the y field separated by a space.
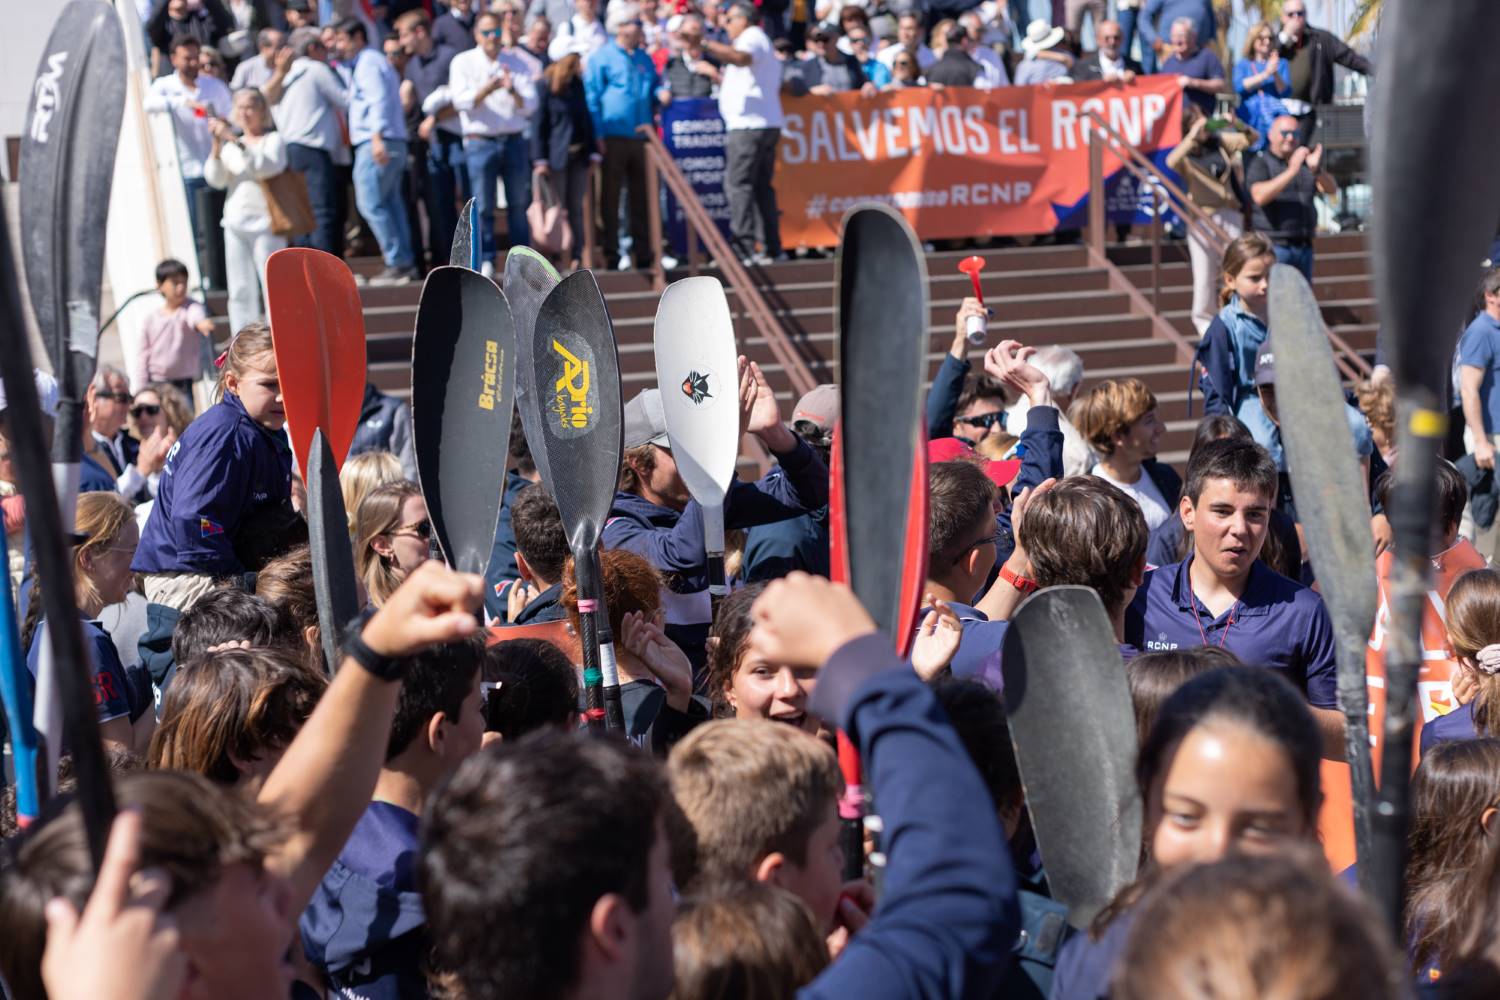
pixel 1064 370
pixel 1197 68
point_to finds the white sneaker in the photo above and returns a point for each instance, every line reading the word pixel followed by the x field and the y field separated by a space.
pixel 488 269
pixel 624 264
pixel 668 261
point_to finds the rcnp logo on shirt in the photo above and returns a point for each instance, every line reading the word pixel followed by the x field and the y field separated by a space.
pixel 573 396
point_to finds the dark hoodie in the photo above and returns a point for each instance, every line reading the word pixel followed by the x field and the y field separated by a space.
pixel 365 928
pixel 672 541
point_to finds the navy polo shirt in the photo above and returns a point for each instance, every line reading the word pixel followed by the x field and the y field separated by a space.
pixel 979 649
pixel 1277 623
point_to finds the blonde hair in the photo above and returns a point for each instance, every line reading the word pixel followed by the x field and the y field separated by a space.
pixel 102 517
pixel 1109 408
pixel 380 513
pixel 751 787
pixel 1263 28
pixel 250 350
pixel 1377 401
pixel 363 473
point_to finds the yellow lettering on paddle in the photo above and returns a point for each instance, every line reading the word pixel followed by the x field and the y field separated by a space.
pixel 489 378
pixel 574 383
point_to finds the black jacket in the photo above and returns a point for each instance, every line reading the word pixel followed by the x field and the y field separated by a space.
pixel 1087 68
pixel 1327 50
pixel 955 69
pixel 561 121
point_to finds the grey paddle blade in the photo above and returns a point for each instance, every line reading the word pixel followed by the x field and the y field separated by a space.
pixel 462 254
pixel 67 167
pixel 577 404
pixel 882 354
pixel 1074 732
pixel 1333 506
pixel 529 278
pixel 1434 147
pixel 463 368
pixel 332 555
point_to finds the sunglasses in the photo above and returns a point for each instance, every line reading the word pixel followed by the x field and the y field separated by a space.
pixel 492 33
pixel 118 397
pixel 1285 132
pixel 1294 13
pixel 422 529
pixel 144 410
pixel 985 420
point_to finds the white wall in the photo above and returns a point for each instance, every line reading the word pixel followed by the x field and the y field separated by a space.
pixel 27 24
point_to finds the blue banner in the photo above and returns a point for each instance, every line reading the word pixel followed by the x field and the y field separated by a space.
pixel 693 133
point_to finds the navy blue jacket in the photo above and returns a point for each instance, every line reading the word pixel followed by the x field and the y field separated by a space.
pixel 942 396
pixel 502 572
pixel 547 607
pixel 1456 725
pixel 562 122
pixel 223 466
pixel 365 927
pixel 672 541
pixel 948 917
pixel 385 425
pixel 774 550
pixel 1219 382
pixel 1085 966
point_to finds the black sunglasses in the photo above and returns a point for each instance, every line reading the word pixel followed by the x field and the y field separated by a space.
pixel 985 420
pixel 422 529
pixel 144 410
pixel 118 397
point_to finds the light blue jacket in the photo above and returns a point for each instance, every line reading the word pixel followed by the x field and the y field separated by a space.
pixel 375 100
pixel 621 90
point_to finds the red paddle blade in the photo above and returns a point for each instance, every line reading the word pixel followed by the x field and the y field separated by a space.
pixel 838 555
pixel 914 552
pixel 318 328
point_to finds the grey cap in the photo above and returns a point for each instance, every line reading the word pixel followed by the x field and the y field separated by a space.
pixel 645 423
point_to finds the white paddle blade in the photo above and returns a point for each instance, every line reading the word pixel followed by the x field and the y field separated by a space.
pixel 696 370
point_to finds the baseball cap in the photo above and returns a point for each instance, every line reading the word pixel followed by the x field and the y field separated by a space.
pixel 1265 366
pixel 645 423
pixel 954 450
pixel 819 406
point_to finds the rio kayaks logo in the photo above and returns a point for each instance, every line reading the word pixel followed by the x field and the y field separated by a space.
pixel 574 396
pixel 696 387
pixel 489 376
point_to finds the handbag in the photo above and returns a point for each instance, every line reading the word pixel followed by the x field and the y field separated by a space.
pixel 548 218
pixel 288 203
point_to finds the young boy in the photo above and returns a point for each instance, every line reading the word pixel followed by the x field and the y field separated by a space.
pixel 364 928
pixel 171 337
pixel 1223 595
pixel 763 802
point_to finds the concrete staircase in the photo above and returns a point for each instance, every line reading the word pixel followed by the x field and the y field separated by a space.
pixel 1040 295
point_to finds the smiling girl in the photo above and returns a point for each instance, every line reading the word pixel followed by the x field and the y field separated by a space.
pixel 1230 767
pixel 225 488
pixel 741 684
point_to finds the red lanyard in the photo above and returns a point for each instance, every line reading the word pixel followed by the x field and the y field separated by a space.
pixel 1198 619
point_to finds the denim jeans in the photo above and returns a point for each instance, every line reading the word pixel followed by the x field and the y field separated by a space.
pixel 1300 257
pixel 1126 19
pixel 316 166
pixel 377 192
pixel 447 187
pixel 502 158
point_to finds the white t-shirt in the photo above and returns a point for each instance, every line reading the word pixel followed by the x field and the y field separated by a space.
pixel 750 96
pixel 1144 492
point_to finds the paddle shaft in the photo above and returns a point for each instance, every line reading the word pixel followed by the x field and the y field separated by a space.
pixel 601 676
pixel 15 691
pixel 1421 428
pixel 713 547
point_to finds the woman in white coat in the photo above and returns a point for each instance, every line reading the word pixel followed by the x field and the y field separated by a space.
pixel 237 164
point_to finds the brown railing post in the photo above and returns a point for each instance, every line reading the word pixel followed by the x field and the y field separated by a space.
pixel 692 249
pixel 1096 189
pixel 1155 248
pixel 590 247
pixel 653 220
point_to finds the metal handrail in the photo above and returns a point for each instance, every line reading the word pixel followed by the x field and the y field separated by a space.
pixel 661 167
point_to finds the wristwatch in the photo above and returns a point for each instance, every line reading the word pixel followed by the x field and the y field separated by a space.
pixel 387 668
pixel 1025 585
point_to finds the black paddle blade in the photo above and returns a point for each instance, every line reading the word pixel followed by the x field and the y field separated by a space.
pixel 1437 212
pixel 332 555
pixel 54 560
pixel 882 354
pixel 1332 505
pixel 529 278
pixel 1074 732
pixel 462 254
pixel 67 166
pixel 463 373
pixel 577 406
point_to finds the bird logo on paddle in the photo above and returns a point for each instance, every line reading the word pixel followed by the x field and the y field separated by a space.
pixel 695 387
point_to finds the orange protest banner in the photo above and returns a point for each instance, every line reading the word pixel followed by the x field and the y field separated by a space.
pixel 1434 689
pixel 958 161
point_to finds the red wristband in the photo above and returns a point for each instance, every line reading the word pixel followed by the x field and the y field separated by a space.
pixel 1024 584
